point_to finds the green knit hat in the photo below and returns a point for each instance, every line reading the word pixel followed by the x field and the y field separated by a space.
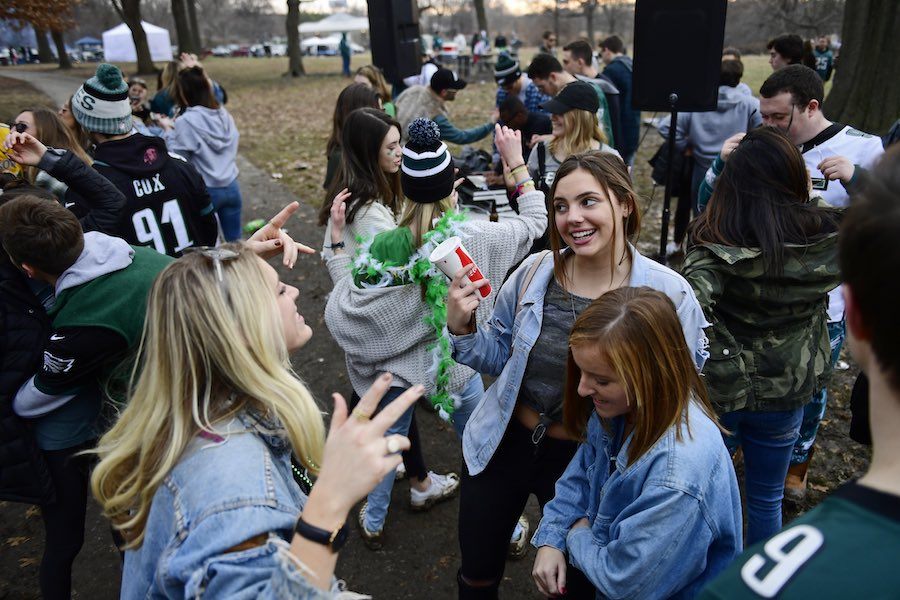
pixel 101 103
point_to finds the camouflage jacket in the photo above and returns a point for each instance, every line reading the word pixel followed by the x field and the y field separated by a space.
pixel 768 343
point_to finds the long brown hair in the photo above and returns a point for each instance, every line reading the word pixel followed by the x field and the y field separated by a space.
pixel 360 170
pixel 611 174
pixel 762 200
pixel 193 88
pixel 638 333
pixel 376 78
pixel 355 95
pixel 53 133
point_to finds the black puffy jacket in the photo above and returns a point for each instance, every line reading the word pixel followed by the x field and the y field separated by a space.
pixel 24 326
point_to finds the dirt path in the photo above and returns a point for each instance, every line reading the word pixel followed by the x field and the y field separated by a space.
pixel 421 555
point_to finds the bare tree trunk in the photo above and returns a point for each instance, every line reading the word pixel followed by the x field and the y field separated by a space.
pixel 61 54
pixel 590 8
pixel 195 28
pixel 130 11
pixel 182 27
pixel 45 55
pixel 292 24
pixel 556 19
pixel 481 16
pixel 862 95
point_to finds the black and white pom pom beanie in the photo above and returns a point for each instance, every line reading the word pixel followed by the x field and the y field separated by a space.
pixel 427 170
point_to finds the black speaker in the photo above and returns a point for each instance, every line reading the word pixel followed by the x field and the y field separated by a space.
pixel 677 50
pixel 394 35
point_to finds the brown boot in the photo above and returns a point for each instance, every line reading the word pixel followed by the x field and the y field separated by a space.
pixel 795 482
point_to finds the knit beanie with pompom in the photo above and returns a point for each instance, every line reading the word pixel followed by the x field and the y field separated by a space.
pixel 101 103
pixel 427 171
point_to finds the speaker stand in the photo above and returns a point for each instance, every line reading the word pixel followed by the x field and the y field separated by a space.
pixel 667 197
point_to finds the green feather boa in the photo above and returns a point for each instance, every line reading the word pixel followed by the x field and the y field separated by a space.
pixel 419 270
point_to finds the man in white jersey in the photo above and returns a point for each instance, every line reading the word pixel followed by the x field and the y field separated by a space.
pixel 837 157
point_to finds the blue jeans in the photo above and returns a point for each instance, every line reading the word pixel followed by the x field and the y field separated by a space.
pixel 380 498
pixel 469 399
pixel 814 411
pixel 767 438
pixel 227 201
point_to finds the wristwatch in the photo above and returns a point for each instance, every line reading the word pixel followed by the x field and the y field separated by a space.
pixel 333 539
pixel 336 246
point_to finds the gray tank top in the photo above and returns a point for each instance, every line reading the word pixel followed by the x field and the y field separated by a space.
pixel 542 383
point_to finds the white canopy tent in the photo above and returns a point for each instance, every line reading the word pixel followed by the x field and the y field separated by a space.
pixel 118 45
pixel 336 23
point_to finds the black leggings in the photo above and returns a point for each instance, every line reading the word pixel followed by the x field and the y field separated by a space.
pixel 64 519
pixel 412 458
pixel 491 502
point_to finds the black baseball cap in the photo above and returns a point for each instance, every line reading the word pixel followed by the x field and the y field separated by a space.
pixel 445 79
pixel 577 94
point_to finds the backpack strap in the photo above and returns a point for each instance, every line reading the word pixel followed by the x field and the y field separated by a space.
pixel 529 276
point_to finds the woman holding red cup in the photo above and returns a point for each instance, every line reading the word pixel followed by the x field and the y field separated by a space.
pixel 387 308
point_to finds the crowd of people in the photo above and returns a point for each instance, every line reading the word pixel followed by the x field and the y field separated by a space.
pixel 145 347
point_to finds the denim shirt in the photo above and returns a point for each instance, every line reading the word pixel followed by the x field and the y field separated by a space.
pixel 220 494
pixel 659 528
pixel 500 348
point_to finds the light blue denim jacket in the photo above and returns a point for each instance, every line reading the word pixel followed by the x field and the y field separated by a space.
pixel 501 347
pixel 219 495
pixel 660 528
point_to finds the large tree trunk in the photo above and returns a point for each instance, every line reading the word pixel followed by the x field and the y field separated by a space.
pixel 182 27
pixel 292 23
pixel 45 55
pixel 131 14
pixel 481 16
pixel 865 95
pixel 590 8
pixel 61 54
pixel 195 28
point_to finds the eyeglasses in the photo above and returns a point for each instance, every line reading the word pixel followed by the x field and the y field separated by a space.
pixel 217 256
pixel 19 126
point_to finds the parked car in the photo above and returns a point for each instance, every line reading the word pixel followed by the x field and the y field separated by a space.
pixel 241 51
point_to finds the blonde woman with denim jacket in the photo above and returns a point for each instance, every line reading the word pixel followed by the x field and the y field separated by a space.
pixel 649 507
pixel 515 444
pixel 200 473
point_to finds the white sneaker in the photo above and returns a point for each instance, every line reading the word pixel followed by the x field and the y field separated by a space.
pixel 401 472
pixel 442 488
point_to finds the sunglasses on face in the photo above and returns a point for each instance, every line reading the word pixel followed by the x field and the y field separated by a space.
pixel 19 126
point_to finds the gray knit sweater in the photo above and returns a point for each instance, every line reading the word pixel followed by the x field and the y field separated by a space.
pixel 384 330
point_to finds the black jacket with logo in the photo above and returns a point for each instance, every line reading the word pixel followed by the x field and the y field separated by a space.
pixel 168 207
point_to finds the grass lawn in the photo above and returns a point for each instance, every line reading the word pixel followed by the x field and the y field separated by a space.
pixel 17 95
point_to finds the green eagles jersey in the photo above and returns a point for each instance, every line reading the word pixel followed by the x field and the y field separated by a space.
pixel 847 547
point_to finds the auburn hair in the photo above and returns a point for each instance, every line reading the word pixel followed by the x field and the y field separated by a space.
pixel 637 331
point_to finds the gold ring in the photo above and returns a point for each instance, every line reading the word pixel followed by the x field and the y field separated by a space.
pixel 360 415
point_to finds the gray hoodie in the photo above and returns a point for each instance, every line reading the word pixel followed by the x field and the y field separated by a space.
pixel 208 139
pixel 705 132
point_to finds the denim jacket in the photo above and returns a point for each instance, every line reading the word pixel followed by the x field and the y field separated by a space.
pixel 659 528
pixel 220 494
pixel 501 347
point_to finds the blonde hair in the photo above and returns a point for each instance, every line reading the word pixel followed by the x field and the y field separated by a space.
pixel 376 78
pixel 420 217
pixel 638 333
pixel 210 350
pixel 582 127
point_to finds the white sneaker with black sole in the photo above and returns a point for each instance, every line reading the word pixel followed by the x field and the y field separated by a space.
pixel 443 487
